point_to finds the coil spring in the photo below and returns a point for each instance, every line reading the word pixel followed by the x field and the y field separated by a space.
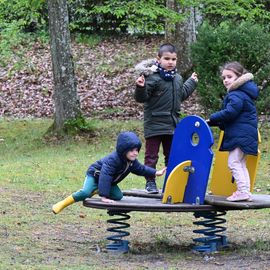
pixel 118 244
pixel 213 238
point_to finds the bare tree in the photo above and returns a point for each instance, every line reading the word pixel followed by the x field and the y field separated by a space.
pixel 182 34
pixel 67 105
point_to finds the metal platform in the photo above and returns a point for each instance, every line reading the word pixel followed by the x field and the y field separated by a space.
pixel 139 200
pixel 144 204
pixel 259 201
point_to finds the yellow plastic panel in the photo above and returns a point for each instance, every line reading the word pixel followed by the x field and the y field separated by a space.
pixel 221 181
pixel 176 184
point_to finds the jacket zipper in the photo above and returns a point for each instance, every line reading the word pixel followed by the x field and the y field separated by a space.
pixel 118 177
pixel 173 97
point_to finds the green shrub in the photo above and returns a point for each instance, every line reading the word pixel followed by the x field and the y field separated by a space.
pixel 247 43
pixel 18 20
pixel 217 11
pixel 77 126
pixel 138 16
pixel 11 45
pixel 89 40
pixel 30 15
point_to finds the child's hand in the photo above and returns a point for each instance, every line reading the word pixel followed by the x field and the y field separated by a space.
pixel 208 122
pixel 194 76
pixel 106 200
pixel 161 172
pixel 140 81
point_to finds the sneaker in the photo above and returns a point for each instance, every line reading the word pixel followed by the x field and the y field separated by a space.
pixel 239 196
pixel 151 187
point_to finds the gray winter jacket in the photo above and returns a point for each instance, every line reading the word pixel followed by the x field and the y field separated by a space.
pixel 162 100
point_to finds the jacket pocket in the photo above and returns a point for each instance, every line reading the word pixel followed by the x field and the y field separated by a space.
pixel 161 120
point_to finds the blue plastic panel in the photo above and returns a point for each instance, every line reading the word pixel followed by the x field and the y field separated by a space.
pixel 185 146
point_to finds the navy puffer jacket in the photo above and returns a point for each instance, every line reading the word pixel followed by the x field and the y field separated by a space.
pixel 113 168
pixel 238 117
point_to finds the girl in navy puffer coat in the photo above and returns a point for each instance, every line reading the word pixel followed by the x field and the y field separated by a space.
pixel 103 175
pixel 238 119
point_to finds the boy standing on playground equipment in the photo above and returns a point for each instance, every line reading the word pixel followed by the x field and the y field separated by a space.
pixel 103 176
pixel 238 119
pixel 162 90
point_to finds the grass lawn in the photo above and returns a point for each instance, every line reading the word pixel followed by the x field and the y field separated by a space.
pixel 35 173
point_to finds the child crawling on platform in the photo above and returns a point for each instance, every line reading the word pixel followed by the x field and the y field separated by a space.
pixel 103 176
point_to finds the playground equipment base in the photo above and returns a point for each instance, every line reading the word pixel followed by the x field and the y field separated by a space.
pixel 210 214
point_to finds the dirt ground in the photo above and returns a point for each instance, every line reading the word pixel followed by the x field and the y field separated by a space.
pixel 34 238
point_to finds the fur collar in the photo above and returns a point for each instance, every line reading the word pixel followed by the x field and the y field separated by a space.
pixel 240 81
pixel 146 67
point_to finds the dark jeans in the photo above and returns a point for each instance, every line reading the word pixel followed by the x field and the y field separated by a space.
pixel 152 145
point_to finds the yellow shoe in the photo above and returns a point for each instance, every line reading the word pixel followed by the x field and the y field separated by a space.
pixel 58 207
pixel 95 192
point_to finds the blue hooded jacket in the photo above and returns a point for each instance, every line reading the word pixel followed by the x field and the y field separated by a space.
pixel 238 118
pixel 113 168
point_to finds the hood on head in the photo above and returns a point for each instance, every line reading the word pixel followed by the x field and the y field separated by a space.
pixel 127 141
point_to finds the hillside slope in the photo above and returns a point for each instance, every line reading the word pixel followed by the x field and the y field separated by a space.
pixel 105 80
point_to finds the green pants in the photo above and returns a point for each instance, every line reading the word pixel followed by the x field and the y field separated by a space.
pixel 90 186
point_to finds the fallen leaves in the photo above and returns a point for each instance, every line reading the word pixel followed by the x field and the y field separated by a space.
pixel 105 81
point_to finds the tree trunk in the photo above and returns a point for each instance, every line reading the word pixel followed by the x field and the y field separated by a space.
pixel 67 105
pixel 183 34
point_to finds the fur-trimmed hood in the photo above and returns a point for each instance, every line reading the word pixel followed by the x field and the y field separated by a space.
pixel 146 67
pixel 240 81
pixel 246 84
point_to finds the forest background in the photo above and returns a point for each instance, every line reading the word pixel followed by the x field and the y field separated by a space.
pixel 111 37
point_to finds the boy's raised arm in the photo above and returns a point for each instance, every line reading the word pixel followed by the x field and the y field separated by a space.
pixel 189 86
